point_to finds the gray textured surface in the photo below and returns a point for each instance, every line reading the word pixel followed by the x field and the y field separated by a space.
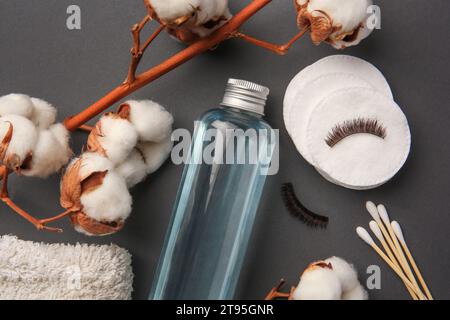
pixel 40 57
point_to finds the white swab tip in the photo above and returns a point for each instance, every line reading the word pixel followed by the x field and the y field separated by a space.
pixel 365 236
pixel 376 230
pixel 398 231
pixel 383 214
pixel 372 209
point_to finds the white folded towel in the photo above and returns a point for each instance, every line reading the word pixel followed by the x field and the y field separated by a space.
pixel 30 270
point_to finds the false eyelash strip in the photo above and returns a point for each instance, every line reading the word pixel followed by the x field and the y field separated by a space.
pixel 297 209
pixel 355 126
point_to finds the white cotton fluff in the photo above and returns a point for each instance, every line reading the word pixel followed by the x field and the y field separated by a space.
pixel 93 162
pixel 357 293
pixel 151 120
pixel 51 152
pixel 170 10
pixel 155 154
pixel 118 138
pixel 23 139
pixel 345 272
pixel 145 159
pixel 318 284
pixel 44 114
pixel 133 169
pixel 349 14
pixel 109 202
pixel 18 104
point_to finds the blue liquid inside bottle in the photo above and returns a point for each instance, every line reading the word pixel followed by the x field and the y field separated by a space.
pixel 218 198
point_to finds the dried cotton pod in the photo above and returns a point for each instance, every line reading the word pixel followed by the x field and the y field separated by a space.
pixel 113 137
pixel 50 153
pixel 151 120
pixel 18 137
pixel 96 194
pixel 189 20
pixel 340 23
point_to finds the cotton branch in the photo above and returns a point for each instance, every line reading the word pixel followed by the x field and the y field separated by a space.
pixel 137 51
pixel 39 224
pixel 223 33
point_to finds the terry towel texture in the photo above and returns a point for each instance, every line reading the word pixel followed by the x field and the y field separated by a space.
pixel 30 270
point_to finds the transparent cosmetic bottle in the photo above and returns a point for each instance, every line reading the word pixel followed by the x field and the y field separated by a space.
pixel 217 200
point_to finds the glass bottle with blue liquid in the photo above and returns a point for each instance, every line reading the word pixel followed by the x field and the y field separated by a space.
pixel 214 212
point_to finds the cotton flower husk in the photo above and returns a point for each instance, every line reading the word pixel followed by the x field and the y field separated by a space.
pixel 341 23
pixel 151 120
pixel 43 115
pixel 92 190
pixel 18 137
pixel 318 282
pixel 189 20
pixel 50 153
pixel 18 104
pixel 113 137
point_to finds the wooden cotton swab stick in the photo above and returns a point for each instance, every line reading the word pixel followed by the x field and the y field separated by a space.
pixel 377 232
pixel 399 233
pixel 374 212
pixel 385 217
pixel 365 236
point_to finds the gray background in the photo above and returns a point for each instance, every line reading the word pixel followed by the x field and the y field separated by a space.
pixel 72 69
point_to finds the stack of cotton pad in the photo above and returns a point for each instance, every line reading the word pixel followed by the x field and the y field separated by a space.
pixel 336 91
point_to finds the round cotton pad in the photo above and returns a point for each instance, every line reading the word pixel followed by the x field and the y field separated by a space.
pixel 309 97
pixel 361 160
pixel 333 64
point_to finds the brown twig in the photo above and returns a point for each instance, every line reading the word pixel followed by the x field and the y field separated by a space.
pixel 276 294
pixel 223 33
pixel 39 224
pixel 278 49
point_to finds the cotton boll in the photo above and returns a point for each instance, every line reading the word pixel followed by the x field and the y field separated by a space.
pixel 23 140
pixel 44 114
pixel 357 293
pixel 345 272
pixel 155 154
pixel 318 283
pixel 18 104
pixel 93 162
pixel 114 137
pixel 341 23
pixel 151 120
pixel 51 152
pixel 133 169
pixel 110 201
pixel 189 20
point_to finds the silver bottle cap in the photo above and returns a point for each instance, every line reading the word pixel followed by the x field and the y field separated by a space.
pixel 245 95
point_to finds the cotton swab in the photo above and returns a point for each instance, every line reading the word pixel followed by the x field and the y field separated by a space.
pixel 399 233
pixel 385 217
pixel 373 211
pixel 377 232
pixel 365 236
